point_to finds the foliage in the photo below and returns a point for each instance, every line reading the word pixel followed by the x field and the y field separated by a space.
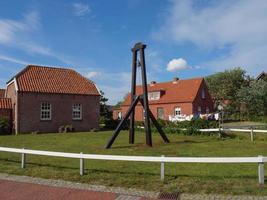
pixel 254 98
pixel 4 126
pixel 176 127
pixel 105 111
pixel 224 86
pixel 65 129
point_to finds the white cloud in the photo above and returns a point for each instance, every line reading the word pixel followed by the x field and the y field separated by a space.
pixel 19 34
pixel 80 9
pixel 92 74
pixel 177 64
pixel 237 29
pixel 14 60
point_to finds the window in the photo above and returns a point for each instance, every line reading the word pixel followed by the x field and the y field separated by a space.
pixel 154 95
pixel 45 111
pixel 203 96
pixel 160 113
pixel 119 115
pixel 207 110
pixel 177 111
pixel 199 109
pixel 77 111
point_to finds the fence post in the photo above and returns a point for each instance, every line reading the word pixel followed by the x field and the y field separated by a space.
pixel 81 165
pixel 220 132
pixel 23 159
pixel 261 170
pixel 162 170
pixel 251 134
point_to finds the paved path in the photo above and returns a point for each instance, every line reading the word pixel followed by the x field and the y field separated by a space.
pixel 14 187
pixel 11 190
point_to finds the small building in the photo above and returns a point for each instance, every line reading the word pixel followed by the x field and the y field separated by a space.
pixel 170 99
pixel 45 98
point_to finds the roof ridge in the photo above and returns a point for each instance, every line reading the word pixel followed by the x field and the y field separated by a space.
pixel 51 67
pixel 190 79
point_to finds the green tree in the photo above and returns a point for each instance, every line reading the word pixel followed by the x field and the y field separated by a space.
pixel 254 98
pixel 105 110
pixel 225 86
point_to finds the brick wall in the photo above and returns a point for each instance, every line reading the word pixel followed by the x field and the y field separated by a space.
pixel 168 109
pixel 29 112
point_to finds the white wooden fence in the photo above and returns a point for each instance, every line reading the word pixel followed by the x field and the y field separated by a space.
pixel 251 131
pixel 260 160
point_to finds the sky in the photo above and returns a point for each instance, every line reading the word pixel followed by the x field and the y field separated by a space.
pixel 185 38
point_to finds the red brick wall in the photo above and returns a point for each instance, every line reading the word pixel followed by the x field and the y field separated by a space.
pixel 29 112
pixel 186 109
pixel 116 113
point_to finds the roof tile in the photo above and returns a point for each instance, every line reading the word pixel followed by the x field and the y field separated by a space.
pixel 54 80
pixel 5 103
pixel 181 91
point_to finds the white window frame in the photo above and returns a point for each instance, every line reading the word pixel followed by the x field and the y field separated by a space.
pixel 45 111
pixel 163 112
pixel 119 115
pixel 154 95
pixel 77 109
pixel 177 111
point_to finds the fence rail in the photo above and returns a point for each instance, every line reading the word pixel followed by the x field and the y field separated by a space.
pixel 260 160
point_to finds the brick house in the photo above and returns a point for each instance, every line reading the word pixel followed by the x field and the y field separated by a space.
pixel 174 98
pixel 45 98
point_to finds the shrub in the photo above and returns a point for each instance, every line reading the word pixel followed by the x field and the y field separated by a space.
pixel 112 124
pixel 65 129
pixel 4 126
pixel 175 127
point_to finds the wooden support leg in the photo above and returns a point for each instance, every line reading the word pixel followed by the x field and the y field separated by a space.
pixel 118 129
pixel 153 119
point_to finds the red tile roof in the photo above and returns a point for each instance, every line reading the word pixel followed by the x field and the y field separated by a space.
pixel 2 93
pixel 181 91
pixel 5 103
pixel 54 80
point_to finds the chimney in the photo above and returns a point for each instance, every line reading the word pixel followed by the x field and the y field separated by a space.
pixel 175 80
pixel 152 83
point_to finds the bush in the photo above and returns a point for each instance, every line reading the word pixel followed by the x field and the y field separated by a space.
pixel 4 126
pixel 175 127
pixel 112 124
pixel 65 129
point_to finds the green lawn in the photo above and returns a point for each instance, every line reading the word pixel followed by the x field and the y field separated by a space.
pixel 193 178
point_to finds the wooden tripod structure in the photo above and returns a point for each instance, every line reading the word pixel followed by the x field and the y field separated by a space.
pixel 143 99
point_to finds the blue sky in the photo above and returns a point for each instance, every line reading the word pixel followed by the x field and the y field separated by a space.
pixel 185 38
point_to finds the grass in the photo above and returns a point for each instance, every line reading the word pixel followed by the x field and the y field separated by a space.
pixel 190 178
